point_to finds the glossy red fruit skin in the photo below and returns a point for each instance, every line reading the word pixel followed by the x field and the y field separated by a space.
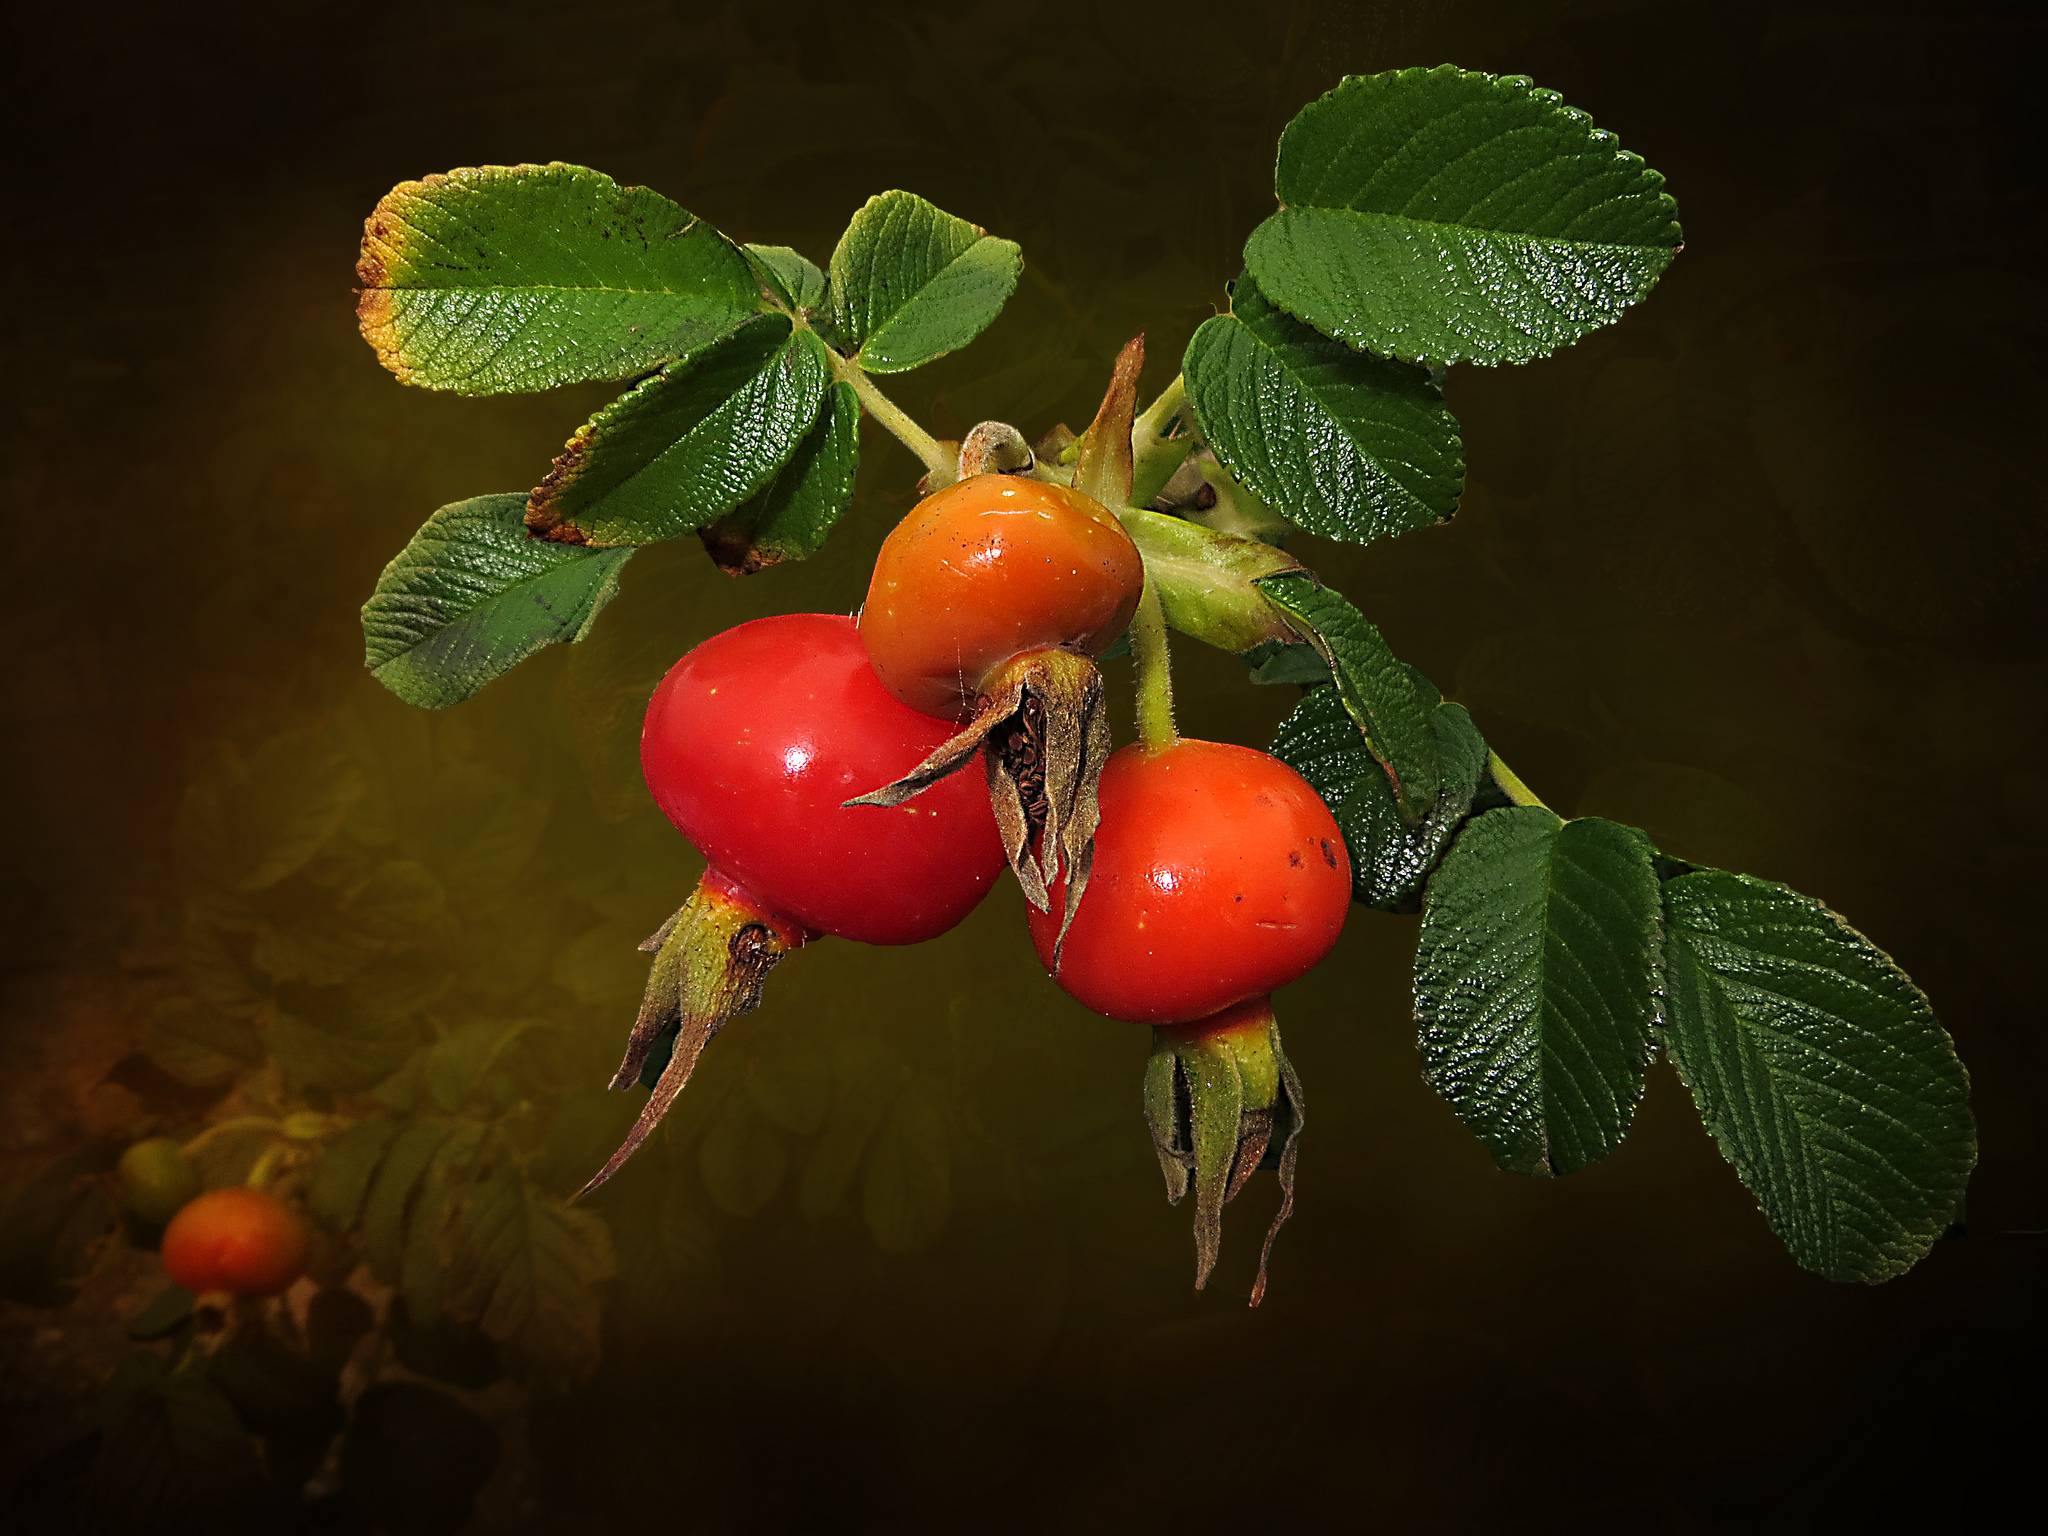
pixel 1219 875
pixel 988 569
pixel 750 746
pixel 240 1240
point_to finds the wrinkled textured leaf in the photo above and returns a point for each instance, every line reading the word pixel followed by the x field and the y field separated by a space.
pixel 1536 984
pixel 532 1266
pixel 1821 1072
pixel 1390 859
pixel 473 594
pixel 499 278
pixel 910 283
pixel 391 1194
pixel 791 517
pixel 339 1043
pixel 458 1062
pixel 424 1277
pixel 688 445
pixel 1452 216
pixel 796 279
pixel 201 1046
pixel 249 822
pixel 1384 697
pixel 1347 445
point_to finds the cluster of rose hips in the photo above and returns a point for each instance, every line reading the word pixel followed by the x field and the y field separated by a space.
pixel 238 1241
pixel 814 761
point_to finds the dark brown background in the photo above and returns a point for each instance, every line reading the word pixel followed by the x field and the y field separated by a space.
pixel 1756 569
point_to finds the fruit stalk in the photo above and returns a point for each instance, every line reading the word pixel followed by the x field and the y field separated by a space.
pixel 929 450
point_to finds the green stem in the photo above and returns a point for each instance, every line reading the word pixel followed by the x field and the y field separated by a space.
pixel 1510 784
pixel 266 1165
pixel 1155 456
pixel 928 449
pixel 1154 672
pixel 229 1127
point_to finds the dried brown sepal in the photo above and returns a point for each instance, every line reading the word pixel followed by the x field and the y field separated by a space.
pixel 1042 728
pixel 710 961
pixel 1290 1147
pixel 995 709
pixel 1103 469
pixel 1218 1094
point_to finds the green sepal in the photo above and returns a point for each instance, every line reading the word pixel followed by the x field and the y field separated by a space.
pixel 1219 1097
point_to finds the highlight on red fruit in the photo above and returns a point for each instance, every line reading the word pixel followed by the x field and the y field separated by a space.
pixel 752 745
pixel 1219 875
pixel 244 1241
pixel 989 602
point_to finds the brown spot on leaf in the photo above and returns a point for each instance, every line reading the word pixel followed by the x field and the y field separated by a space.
pixel 544 515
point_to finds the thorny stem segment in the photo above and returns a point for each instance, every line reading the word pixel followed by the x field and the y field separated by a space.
pixel 1154 671
pixel 1510 784
pixel 1155 456
pixel 928 449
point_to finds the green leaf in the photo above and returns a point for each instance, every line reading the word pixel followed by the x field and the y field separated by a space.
pixel 791 517
pixel 688 445
pixel 276 1393
pixel 459 1354
pixel 457 1063
pixel 1536 984
pixel 1821 1072
pixel 910 283
pixel 503 278
pixel 1452 216
pixel 532 1266
pixel 391 1195
pixel 164 1314
pixel 1384 697
pixel 171 1450
pixel 341 1046
pixel 336 1320
pixel 1277 663
pixel 473 594
pixel 794 277
pixel 1347 445
pixel 52 1221
pixel 201 1046
pixel 423 1267
pixel 1390 859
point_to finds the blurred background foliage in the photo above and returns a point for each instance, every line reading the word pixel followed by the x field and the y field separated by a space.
pixel 1753 570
